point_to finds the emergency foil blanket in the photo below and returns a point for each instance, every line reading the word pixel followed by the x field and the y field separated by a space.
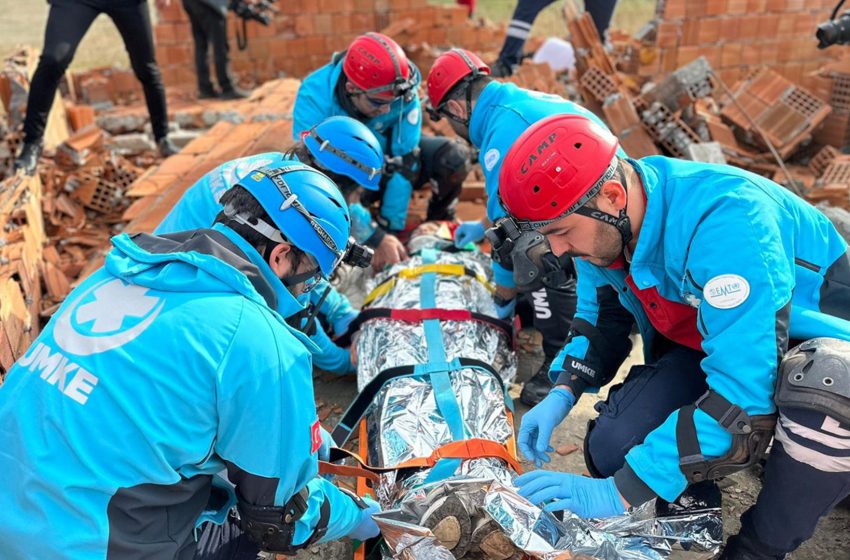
pixel 469 508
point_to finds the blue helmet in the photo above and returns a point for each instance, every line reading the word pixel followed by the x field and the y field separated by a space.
pixel 306 208
pixel 345 146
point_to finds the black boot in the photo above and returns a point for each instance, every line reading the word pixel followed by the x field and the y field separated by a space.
pixel 738 548
pixel 234 92
pixel 536 388
pixel 27 160
pixel 207 93
pixel 502 69
pixel 166 147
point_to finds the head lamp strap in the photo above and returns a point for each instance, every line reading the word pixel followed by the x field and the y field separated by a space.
pixel 530 225
pixel 291 201
pixel 260 227
pixel 326 146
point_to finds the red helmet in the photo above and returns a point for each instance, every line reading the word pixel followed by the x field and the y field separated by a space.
pixel 450 68
pixel 554 168
pixel 377 65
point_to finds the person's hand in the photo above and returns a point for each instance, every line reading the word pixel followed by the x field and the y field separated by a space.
pixel 505 308
pixel 162 4
pixel 537 425
pixel 469 232
pixel 327 443
pixel 388 252
pixel 366 528
pixel 586 497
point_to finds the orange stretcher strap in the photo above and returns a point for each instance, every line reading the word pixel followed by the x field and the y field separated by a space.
pixel 467 449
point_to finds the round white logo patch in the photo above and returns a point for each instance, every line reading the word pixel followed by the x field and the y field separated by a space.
pixel 490 158
pixel 726 291
pixel 413 116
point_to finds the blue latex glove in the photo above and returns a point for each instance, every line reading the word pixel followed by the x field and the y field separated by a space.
pixel 341 324
pixel 506 310
pixel 366 528
pixel 586 497
pixel 469 232
pixel 537 425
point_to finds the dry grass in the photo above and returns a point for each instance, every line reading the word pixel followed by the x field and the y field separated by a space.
pixel 23 23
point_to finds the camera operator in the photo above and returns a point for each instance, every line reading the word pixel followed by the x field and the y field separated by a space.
pixel 209 25
pixel 67 23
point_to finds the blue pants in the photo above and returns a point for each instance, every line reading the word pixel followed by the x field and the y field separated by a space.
pixel 526 12
pixel 794 495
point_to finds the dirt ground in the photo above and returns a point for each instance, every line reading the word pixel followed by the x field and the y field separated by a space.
pixel 830 541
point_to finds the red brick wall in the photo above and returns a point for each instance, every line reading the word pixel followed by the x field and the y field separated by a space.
pixel 305 33
pixel 737 35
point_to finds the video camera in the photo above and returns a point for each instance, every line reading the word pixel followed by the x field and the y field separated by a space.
pixel 260 11
pixel 835 31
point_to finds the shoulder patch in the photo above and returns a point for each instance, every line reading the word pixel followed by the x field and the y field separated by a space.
pixel 726 291
pixel 491 158
pixel 413 116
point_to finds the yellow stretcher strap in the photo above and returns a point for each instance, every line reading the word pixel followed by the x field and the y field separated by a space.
pixel 414 272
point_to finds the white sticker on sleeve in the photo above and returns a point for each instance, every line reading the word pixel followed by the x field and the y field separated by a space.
pixel 726 291
pixel 490 158
pixel 413 116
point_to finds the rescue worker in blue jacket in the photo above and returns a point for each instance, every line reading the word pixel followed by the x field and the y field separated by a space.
pixel 347 152
pixel 719 268
pixel 375 83
pixel 491 115
pixel 169 364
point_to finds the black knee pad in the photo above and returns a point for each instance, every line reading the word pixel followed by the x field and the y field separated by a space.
pixel 816 376
pixel 446 161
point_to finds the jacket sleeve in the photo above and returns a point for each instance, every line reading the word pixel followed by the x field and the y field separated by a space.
pixel 408 131
pixel 395 201
pixel 336 308
pixel 268 425
pixel 309 106
pixel 196 209
pixel 739 264
pixel 598 340
pixel 363 227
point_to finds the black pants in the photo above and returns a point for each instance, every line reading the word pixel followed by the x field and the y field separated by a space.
pixel 794 495
pixel 209 26
pixel 553 307
pixel 526 12
pixel 67 23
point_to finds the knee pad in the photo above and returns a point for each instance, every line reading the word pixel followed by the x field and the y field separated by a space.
pixel 450 163
pixel 816 376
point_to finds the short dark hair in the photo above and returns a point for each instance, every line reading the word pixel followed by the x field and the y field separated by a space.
pixel 300 152
pixel 458 92
pixel 244 203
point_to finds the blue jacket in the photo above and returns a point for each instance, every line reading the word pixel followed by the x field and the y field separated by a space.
pixel 501 114
pixel 398 131
pixel 747 254
pixel 135 394
pixel 199 206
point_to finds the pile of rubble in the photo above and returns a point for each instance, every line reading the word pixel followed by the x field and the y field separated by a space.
pixel 100 174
